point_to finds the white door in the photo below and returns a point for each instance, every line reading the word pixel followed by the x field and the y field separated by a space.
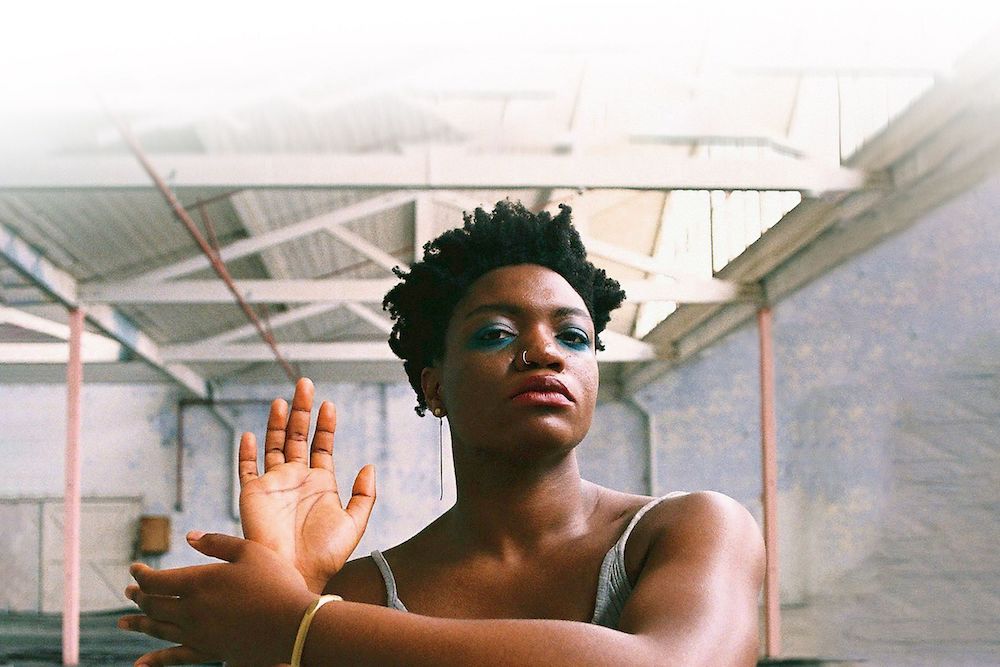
pixel 108 531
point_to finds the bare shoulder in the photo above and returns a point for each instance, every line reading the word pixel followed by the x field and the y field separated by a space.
pixel 706 529
pixel 705 525
pixel 699 564
pixel 703 509
pixel 359 581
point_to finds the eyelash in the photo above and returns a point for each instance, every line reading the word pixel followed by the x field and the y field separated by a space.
pixel 485 336
pixel 582 339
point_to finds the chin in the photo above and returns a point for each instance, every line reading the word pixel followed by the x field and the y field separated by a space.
pixel 545 435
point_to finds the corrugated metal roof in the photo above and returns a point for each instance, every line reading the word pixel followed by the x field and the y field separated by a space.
pixel 558 105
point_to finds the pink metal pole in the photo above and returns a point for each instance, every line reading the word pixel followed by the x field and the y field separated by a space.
pixel 769 467
pixel 71 499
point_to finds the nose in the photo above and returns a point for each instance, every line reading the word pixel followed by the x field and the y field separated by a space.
pixel 541 351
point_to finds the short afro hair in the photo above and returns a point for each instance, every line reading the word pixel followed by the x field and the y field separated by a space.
pixel 423 301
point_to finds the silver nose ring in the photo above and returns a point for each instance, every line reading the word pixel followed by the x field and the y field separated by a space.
pixel 524 357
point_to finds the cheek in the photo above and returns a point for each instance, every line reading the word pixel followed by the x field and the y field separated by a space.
pixel 589 380
pixel 465 384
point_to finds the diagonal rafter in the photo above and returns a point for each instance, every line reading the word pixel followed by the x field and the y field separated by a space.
pixel 63 287
pixel 210 253
pixel 262 242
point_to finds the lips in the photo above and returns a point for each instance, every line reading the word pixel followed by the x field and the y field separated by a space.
pixel 542 390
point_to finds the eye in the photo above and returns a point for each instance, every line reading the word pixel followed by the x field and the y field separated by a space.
pixel 492 336
pixel 575 337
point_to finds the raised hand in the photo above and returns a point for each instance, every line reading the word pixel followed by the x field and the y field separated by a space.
pixel 294 507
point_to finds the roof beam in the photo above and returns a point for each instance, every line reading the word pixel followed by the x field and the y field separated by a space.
pixel 63 287
pixel 255 291
pixel 93 352
pixel 643 168
pixel 703 290
pixel 36 268
pixel 369 250
pixel 273 322
pixel 382 323
pixel 353 351
pixel 727 290
pixel 41 325
pixel 619 347
pixel 256 244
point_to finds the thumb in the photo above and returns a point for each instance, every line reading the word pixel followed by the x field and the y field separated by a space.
pixel 359 507
pixel 217 545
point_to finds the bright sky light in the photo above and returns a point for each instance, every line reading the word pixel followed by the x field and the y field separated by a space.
pixel 153 54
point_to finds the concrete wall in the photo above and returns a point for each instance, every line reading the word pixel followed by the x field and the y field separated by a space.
pixel 888 405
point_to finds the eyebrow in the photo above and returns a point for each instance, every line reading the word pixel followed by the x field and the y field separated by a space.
pixel 511 309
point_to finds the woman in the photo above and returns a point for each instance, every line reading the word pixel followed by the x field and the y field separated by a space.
pixel 498 328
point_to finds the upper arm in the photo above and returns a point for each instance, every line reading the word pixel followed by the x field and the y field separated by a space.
pixel 696 595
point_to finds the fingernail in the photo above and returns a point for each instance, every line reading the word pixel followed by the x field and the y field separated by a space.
pixel 195 535
pixel 122 624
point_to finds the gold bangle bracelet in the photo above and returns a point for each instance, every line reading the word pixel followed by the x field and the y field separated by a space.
pixel 300 638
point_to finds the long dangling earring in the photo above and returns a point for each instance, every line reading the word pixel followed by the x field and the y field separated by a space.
pixel 439 413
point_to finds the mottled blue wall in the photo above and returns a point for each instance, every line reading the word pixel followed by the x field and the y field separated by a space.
pixel 888 412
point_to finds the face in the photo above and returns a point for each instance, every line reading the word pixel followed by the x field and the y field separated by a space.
pixel 494 401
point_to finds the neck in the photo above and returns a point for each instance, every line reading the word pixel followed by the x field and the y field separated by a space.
pixel 508 507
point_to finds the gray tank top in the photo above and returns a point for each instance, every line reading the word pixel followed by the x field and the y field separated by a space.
pixel 613 587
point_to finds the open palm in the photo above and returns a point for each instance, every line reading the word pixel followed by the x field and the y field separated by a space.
pixel 294 507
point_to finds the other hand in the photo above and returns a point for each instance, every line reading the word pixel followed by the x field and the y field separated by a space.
pixel 245 610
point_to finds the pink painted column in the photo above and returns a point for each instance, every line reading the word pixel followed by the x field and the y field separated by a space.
pixel 769 469
pixel 71 497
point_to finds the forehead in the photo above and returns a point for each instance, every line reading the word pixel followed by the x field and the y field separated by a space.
pixel 528 286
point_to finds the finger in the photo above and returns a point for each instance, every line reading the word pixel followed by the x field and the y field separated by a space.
pixel 248 459
pixel 321 455
pixel 274 441
pixel 161 582
pixel 359 507
pixel 218 545
pixel 297 430
pixel 159 607
pixel 175 655
pixel 148 626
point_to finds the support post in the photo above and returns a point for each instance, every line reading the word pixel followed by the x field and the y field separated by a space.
pixel 769 469
pixel 71 496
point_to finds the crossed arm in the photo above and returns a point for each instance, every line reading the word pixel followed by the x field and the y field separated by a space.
pixel 695 601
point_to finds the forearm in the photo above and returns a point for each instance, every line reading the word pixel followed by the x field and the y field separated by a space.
pixel 358 634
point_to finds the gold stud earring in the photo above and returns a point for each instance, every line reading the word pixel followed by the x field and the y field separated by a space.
pixel 438 412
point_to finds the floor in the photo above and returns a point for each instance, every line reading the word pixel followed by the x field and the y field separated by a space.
pixel 35 640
